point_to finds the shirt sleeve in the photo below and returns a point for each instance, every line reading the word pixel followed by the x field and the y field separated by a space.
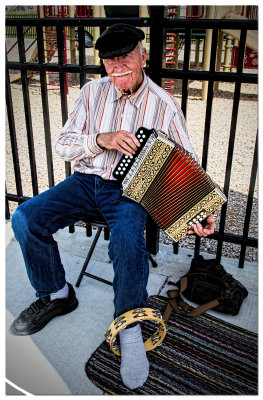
pixel 75 140
pixel 178 132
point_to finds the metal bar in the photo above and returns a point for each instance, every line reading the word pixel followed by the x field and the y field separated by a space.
pixel 97 278
pixel 45 107
pixel 54 67
pixel 7 210
pixel 249 204
pixel 63 95
pixel 63 89
pixel 92 247
pixel 242 49
pixel 16 198
pixel 187 49
pixel 140 22
pixel 212 23
pixel 156 44
pixel 175 247
pixel 231 139
pixel 209 104
pixel 27 108
pixel 77 21
pixel 13 140
pixel 232 238
pixel 165 73
pixel 152 236
pixel 61 61
pixel 210 98
pixel 82 56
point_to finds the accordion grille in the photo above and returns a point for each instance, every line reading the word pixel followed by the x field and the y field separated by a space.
pixel 179 185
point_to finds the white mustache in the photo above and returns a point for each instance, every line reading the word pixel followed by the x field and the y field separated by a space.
pixel 121 73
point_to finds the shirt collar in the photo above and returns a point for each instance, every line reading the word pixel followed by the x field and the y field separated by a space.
pixel 135 97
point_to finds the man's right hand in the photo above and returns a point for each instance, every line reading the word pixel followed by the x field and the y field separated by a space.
pixel 123 141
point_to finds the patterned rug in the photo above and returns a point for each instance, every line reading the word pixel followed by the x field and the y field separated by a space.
pixel 199 356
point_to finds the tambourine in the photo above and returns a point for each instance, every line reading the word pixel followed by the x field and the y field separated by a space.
pixel 131 317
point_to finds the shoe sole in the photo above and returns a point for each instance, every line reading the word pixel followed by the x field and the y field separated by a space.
pixel 14 332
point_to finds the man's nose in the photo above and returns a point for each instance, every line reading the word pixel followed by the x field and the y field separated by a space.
pixel 118 60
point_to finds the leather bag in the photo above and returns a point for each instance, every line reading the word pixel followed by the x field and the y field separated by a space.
pixel 210 286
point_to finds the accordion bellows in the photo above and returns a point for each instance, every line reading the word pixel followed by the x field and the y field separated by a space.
pixel 164 178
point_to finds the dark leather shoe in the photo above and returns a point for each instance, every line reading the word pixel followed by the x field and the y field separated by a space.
pixel 39 313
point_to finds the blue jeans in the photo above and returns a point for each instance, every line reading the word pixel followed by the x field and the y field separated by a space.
pixel 77 197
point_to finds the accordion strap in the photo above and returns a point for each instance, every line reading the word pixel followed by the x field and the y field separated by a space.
pixel 177 304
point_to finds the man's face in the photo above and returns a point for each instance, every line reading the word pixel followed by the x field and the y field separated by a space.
pixel 125 71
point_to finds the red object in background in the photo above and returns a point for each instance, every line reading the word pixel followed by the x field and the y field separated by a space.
pixel 83 11
pixel 250 59
pixel 195 11
pixel 52 12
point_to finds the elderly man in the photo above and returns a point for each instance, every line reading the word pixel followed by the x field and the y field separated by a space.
pixel 100 128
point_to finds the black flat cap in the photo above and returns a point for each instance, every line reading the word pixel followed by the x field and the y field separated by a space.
pixel 118 39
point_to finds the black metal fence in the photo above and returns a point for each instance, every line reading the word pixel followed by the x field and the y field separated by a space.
pixel 157 25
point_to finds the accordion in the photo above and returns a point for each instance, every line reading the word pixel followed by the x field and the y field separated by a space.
pixel 165 179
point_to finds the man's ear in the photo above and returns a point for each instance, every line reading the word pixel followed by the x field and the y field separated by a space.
pixel 143 57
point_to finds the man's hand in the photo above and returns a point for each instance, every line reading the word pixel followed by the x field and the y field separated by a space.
pixel 123 141
pixel 206 230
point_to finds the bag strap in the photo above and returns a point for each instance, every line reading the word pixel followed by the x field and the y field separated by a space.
pixel 177 304
pixel 192 274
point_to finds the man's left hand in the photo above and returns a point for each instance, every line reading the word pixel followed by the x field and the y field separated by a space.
pixel 206 230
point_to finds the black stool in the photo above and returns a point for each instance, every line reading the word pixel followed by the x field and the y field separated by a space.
pixel 100 223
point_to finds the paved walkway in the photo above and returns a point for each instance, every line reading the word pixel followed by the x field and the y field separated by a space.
pixel 52 361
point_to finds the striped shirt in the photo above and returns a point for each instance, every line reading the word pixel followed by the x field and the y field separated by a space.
pixel 101 107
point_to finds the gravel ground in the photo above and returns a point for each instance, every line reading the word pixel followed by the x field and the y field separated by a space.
pixel 219 137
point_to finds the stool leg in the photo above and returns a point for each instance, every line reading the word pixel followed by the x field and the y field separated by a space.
pixel 154 263
pixel 89 256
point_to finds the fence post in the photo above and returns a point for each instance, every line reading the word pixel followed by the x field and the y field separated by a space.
pixel 157 43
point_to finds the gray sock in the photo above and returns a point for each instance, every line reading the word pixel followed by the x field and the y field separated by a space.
pixel 134 363
pixel 60 294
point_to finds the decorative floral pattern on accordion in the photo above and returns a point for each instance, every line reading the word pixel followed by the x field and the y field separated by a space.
pixel 208 205
pixel 148 170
